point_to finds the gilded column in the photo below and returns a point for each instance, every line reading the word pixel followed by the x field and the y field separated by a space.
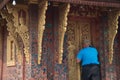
pixel 63 12
pixel 41 26
pixel 113 26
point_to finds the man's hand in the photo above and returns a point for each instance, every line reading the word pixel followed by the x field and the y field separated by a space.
pixel 78 61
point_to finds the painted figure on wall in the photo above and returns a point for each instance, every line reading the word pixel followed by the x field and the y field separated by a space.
pixel 22 21
pixel 23 31
pixel 21 17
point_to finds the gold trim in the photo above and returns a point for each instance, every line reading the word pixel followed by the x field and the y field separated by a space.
pixel 11 51
pixel 16 28
pixel 41 26
pixel 64 10
pixel 113 27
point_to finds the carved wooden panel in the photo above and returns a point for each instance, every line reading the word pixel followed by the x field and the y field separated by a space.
pixel 17 24
pixel 72 45
pixel 77 30
pixel 85 30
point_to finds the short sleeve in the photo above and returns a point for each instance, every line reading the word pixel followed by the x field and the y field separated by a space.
pixel 79 55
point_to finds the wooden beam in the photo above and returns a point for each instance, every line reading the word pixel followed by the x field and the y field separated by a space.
pixel 94 3
pixel 3 3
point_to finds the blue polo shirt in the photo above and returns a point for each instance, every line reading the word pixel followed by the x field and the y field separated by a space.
pixel 88 55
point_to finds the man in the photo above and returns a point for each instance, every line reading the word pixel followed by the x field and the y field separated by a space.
pixel 88 56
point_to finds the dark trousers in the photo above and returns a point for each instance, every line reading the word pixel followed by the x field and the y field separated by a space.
pixel 91 72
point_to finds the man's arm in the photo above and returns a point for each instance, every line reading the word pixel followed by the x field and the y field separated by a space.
pixel 79 57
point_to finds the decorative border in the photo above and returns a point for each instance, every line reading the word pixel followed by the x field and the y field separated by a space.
pixel 41 27
pixel 113 27
pixel 64 10
pixel 11 51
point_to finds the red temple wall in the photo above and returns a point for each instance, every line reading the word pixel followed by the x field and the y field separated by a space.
pixel 49 69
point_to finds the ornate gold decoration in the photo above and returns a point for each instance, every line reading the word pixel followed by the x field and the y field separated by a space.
pixel 11 38
pixel 21 14
pixel 84 10
pixel 11 50
pixel 64 9
pixel 113 26
pixel 41 26
pixel 19 56
pixel 72 61
pixel 85 30
pixel 73 45
pixel 17 18
pixel 76 32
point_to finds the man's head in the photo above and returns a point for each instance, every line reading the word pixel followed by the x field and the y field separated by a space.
pixel 86 43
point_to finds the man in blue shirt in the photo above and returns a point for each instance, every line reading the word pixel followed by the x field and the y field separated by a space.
pixel 88 56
